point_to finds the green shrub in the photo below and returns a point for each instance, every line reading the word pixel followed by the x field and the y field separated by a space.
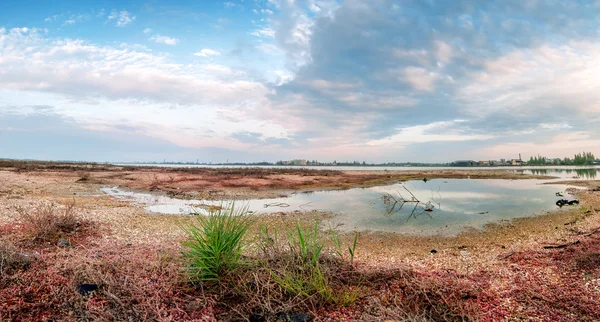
pixel 215 242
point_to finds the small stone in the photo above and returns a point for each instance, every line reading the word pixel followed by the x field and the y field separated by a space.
pixel 294 317
pixel 63 243
pixel 85 289
pixel 433 251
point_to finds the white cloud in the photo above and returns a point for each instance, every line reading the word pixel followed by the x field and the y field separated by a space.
pixel 560 145
pixel 122 17
pixel 555 126
pixel 76 18
pixel 207 52
pixel 443 51
pixel 51 18
pixel 266 32
pixel 545 78
pixel 101 86
pixel 164 40
pixel 147 30
pixel 433 132
pixel 78 69
pixel 269 49
pixel 419 78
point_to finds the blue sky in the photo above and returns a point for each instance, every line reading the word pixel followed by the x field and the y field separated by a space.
pixel 258 80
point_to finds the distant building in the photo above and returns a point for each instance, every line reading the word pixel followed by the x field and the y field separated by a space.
pixel 516 162
pixel 483 163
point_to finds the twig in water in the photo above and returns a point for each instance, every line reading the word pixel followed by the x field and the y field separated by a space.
pixel 276 204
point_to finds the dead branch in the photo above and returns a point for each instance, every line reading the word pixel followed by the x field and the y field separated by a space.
pixel 561 245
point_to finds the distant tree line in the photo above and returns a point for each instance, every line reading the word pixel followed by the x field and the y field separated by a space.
pixel 579 159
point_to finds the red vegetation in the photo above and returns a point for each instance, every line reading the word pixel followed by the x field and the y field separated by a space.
pixel 147 282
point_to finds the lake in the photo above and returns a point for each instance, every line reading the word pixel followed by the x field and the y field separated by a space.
pixel 438 206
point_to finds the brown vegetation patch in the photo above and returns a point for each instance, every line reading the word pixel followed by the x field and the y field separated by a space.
pixel 11 259
pixel 48 222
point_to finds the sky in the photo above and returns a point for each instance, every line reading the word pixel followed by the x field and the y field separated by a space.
pixel 268 80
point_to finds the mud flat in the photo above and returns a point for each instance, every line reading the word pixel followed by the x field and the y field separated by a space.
pixel 239 183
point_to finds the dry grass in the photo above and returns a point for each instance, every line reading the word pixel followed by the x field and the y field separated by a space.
pixel 48 221
pixel 11 259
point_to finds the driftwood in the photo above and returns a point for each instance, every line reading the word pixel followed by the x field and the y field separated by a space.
pixel 395 204
pixel 276 204
pixel 561 245
pixel 593 231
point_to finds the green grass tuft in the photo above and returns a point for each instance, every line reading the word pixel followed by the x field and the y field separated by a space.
pixel 215 242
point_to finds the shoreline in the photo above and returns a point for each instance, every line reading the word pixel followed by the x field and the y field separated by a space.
pixel 230 183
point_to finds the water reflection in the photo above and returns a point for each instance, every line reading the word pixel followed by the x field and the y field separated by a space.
pixel 579 174
pixel 438 206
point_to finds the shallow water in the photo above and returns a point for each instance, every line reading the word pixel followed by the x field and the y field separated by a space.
pixel 445 206
pixel 589 173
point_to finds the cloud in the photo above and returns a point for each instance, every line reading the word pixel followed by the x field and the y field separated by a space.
pixel 207 52
pixel 147 30
pixel 434 63
pixel 269 49
pixel 343 78
pixel 164 40
pixel 51 18
pixel 122 17
pixel 229 4
pixel 419 78
pixel 265 32
pixel 102 88
pixel 433 132
pixel 76 18
pixel 51 136
pixel 550 78
pixel 81 70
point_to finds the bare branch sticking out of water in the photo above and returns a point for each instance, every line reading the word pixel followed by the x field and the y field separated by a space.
pixel 394 204
pixel 277 204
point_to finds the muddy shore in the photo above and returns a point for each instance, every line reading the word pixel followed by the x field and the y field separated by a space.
pixel 503 260
pixel 236 183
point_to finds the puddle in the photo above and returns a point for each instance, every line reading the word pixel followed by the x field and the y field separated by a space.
pixel 446 206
